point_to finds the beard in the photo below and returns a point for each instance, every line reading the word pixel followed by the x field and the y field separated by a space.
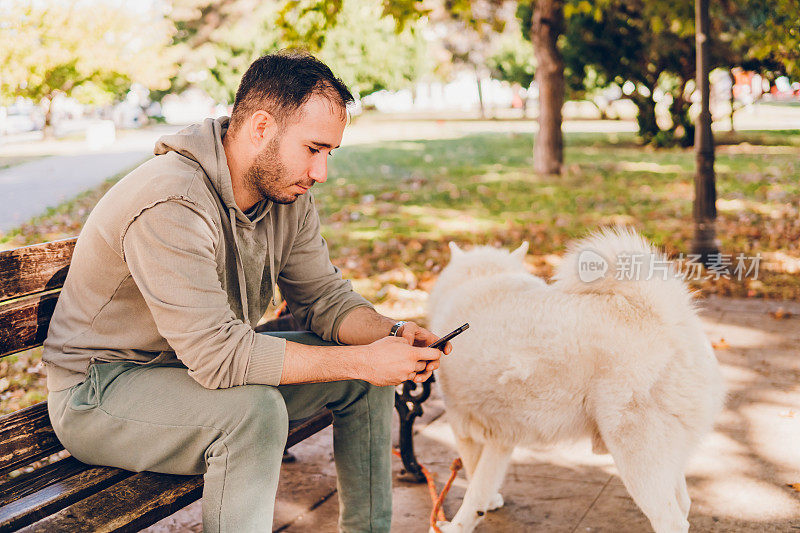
pixel 267 176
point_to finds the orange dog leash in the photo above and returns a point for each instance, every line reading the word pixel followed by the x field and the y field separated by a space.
pixel 437 514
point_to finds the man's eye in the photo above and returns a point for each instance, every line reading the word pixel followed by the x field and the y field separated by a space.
pixel 313 150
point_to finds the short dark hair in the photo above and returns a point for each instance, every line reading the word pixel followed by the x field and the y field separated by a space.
pixel 282 82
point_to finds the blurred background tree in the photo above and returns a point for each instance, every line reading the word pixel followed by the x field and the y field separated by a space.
pixel 651 44
pixel 90 50
pixel 512 61
pixel 217 41
pixel 366 52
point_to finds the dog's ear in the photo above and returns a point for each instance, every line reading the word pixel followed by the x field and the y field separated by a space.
pixel 521 251
pixel 454 249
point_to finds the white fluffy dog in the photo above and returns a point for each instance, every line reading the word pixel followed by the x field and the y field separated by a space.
pixel 623 361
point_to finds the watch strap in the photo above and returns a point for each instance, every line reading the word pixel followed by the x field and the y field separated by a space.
pixel 396 328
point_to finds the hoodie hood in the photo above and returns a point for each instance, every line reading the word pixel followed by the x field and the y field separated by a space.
pixel 203 143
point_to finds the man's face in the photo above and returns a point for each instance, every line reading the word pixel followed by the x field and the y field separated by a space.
pixel 296 156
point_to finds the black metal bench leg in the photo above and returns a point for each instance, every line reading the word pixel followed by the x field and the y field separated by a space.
pixel 408 402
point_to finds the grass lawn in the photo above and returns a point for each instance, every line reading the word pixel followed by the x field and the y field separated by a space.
pixel 393 208
pixel 389 209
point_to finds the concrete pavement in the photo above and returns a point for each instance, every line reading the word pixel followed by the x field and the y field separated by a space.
pixel 737 479
pixel 27 190
pixel 68 167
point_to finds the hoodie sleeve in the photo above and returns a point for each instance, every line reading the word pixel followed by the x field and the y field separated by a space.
pixel 312 286
pixel 169 248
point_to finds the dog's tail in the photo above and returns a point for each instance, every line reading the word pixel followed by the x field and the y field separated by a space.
pixel 618 261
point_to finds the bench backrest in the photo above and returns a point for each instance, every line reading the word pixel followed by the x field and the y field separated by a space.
pixel 30 281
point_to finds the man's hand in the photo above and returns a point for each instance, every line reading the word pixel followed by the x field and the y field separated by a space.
pixel 364 326
pixel 419 336
pixel 393 360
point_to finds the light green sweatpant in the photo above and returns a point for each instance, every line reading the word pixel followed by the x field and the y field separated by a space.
pixel 157 418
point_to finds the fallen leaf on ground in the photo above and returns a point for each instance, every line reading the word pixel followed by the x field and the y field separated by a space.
pixel 780 313
pixel 721 345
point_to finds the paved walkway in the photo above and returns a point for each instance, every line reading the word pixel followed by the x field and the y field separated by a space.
pixel 68 168
pixel 29 189
pixel 737 480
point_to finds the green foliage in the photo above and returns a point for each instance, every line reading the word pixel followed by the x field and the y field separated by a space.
pixel 305 23
pixel 215 56
pixel 90 49
pixel 652 43
pixel 513 60
pixel 767 34
pixel 368 54
pixel 405 12
pixel 363 47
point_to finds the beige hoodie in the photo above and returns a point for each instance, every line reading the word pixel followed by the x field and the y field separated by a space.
pixel 168 269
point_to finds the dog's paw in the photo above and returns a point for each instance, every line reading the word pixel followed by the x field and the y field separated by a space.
pixel 496 502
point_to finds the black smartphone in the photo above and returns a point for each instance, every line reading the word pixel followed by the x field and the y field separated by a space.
pixel 440 344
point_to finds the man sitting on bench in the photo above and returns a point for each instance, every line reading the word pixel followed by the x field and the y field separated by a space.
pixel 152 360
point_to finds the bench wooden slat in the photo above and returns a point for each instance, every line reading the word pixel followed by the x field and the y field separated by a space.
pixel 33 269
pixel 126 506
pixel 141 499
pixel 26 436
pixel 52 488
pixel 31 482
pixel 24 323
pixel 64 485
pixel 306 428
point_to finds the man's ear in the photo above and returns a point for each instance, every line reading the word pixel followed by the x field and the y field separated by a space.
pixel 262 126
pixel 521 251
pixel 455 251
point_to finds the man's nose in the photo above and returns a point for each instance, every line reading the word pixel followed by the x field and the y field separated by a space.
pixel 319 169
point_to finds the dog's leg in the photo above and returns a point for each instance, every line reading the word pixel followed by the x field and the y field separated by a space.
pixel 482 489
pixel 683 496
pixel 647 460
pixel 470 451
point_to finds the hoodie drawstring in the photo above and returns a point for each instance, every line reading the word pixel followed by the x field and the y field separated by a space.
pixel 239 267
pixel 271 252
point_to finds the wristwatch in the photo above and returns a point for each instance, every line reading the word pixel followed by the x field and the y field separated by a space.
pixel 395 331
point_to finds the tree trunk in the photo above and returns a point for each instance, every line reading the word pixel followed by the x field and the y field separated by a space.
pixel 47 131
pixel 480 93
pixel 547 25
pixel 733 99
pixel 705 195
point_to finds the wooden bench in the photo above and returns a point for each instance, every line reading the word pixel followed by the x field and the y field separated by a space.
pixel 42 488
